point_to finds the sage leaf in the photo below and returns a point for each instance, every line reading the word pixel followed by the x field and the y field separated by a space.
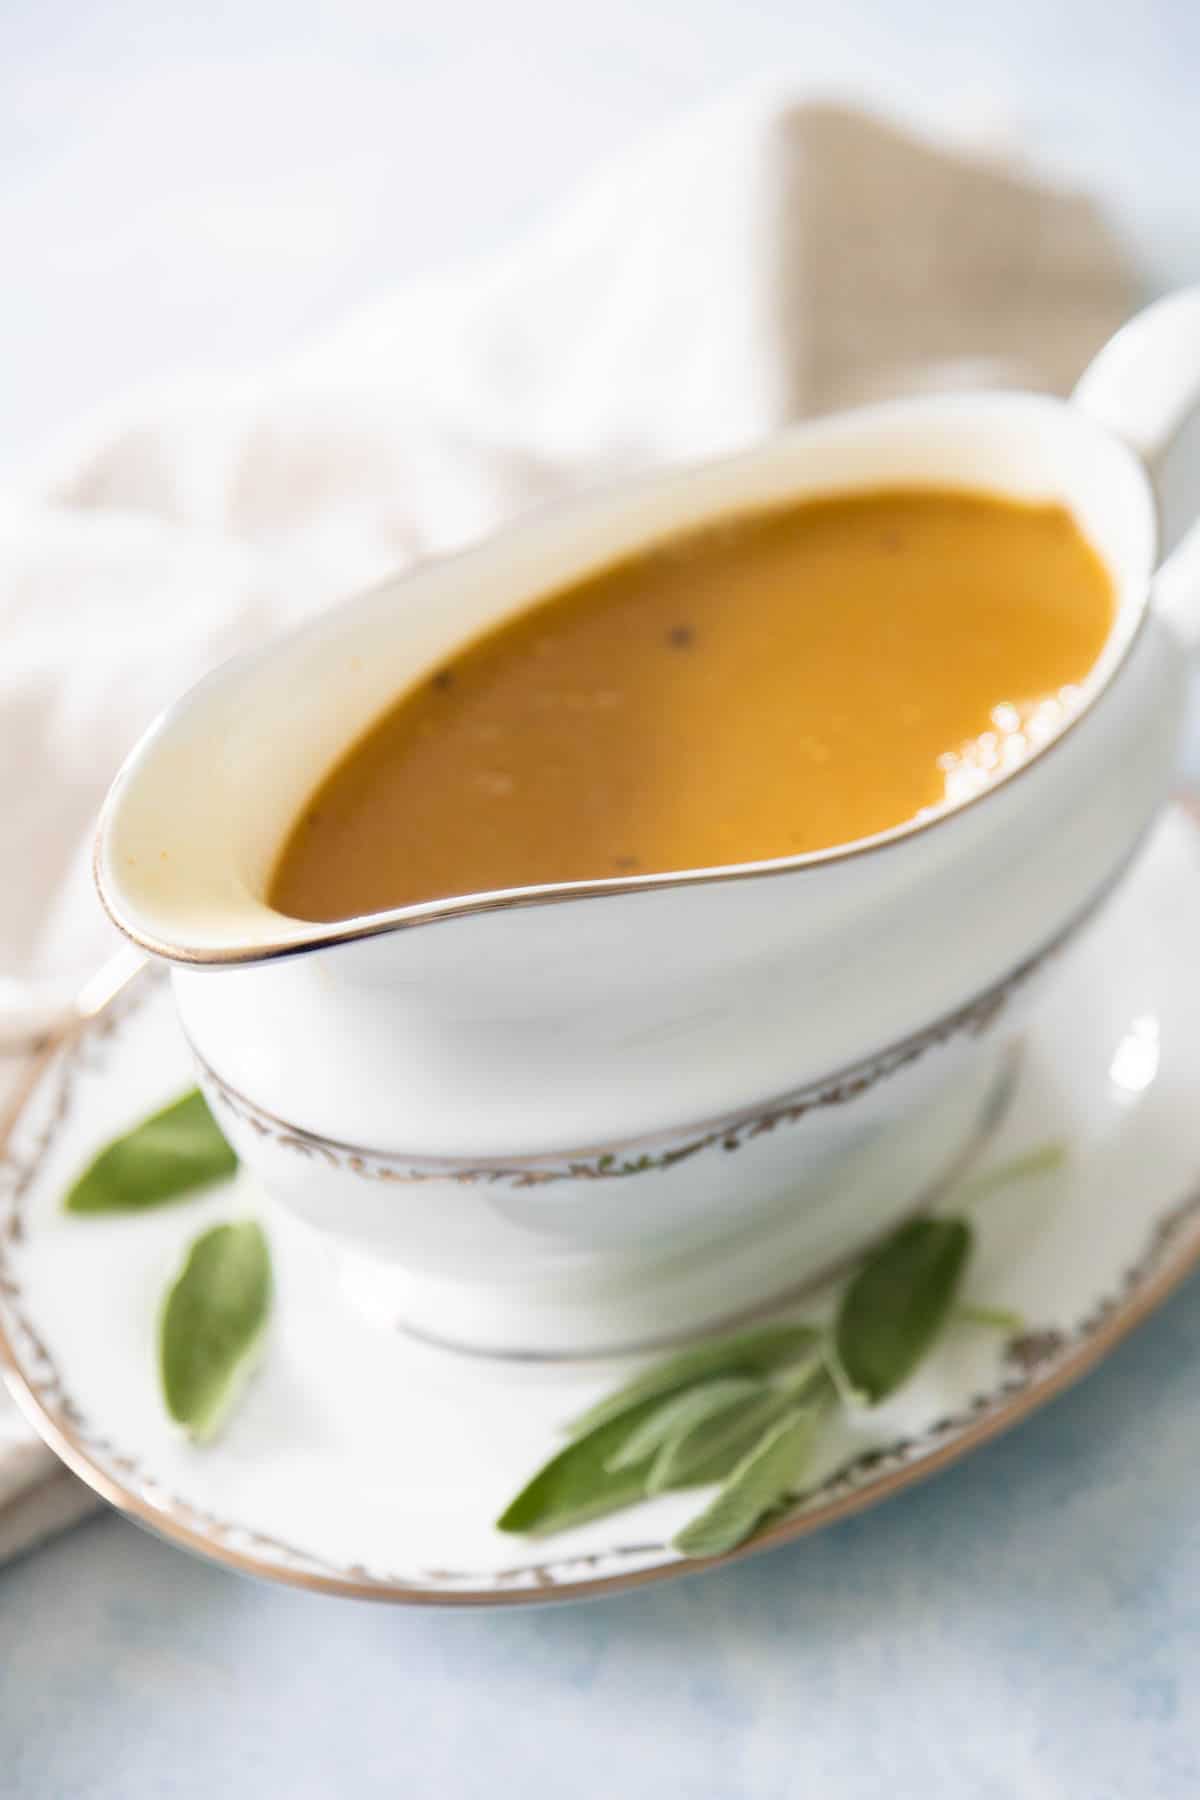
pixel 676 1416
pixel 749 1353
pixel 579 1483
pixel 848 1395
pixel 757 1485
pixel 177 1151
pixel 712 1449
pixel 211 1324
pixel 899 1301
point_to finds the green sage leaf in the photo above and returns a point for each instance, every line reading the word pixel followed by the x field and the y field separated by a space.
pixel 212 1322
pixel 676 1416
pixel 756 1487
pixel 899 1301
pixel 579 1482
pixel 749 1353
pixel 177 1151
pixel 713 1449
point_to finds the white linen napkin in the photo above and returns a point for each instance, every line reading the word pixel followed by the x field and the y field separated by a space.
pixel 762 260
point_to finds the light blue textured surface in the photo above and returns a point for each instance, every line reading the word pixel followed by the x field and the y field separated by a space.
pixel 1026 1625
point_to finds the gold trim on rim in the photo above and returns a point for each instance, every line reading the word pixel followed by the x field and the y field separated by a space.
pixel 842 1089
pixel 440 912
pixel 466 906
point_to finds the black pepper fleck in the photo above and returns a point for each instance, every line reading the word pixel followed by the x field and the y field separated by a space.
pixel 681 637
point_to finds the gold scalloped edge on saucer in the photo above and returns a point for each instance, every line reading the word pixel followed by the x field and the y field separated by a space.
pixel 1039 1363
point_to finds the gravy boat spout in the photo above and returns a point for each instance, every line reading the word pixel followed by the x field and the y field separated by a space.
pixel 568 1119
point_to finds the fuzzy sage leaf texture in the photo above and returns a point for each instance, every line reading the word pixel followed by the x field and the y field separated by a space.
pixel 712 1450
pixel 688 1421
pixel 749 1353
pixel 760 1483
pixel 581 1482
pixel 172 1154
pixel 898 1302
pixel 212 1323
pixel 678 1416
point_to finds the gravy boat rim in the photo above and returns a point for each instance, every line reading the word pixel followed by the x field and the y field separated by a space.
pixel 304 936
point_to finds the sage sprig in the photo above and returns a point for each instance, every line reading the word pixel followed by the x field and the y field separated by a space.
pixel 746 1411
pixel 172 1154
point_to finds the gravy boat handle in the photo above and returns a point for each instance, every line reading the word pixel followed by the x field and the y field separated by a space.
pixel 1144 386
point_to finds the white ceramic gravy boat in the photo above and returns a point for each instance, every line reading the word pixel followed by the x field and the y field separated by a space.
pixel 562 1120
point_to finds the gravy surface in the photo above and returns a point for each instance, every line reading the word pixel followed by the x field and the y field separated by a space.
pixel 777 682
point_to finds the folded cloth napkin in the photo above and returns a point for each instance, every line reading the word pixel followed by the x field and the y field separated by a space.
pixel 763 260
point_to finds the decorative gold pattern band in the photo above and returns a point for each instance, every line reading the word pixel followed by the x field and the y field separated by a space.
pixel 840 1089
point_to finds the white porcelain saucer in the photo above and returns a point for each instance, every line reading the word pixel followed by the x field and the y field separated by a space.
pixel 362 1463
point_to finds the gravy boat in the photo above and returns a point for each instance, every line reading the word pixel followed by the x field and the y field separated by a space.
pixel 568 1120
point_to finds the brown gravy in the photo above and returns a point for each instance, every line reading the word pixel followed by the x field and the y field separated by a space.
pixel 775 683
